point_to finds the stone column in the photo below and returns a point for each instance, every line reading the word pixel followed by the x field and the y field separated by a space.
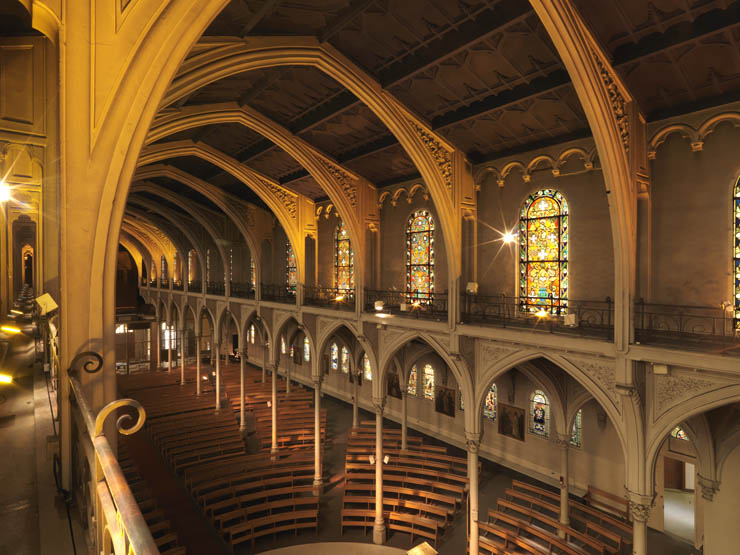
pixel 355 404
pixel 640 507
pixel 169 348
pixel 317 475
pixel 404 420
pixel 218 375
pixel 182 355
pixel 379 528
pixel 274 448
pixel 154 345
pixel 197 364
pixel 287 374
pixel 563 442
pixel 473 441
pixel 242 369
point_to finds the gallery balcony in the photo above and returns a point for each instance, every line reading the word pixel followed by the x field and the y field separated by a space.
pixel 242 290
pixel 330 297
pixel 177 285
pixel 279 293
pixel 195 286
pixel 695 328
pixel 572 317
pixel 164 283
pixel 428 306
pixel 216 288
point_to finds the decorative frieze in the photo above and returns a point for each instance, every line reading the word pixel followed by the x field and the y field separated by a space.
pixel 287 198
pixel 347 183
pixel 672 389
pixel 616 100
pixel 441 155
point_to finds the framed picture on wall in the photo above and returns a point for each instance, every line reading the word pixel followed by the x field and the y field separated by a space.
pixel 394 385
pixel 444 400
pixel 511 422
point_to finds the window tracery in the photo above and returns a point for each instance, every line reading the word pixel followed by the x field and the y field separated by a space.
pixel 420 256
pixel 429 382
pixel 334 356
pixel 678 433
pixel 344 260
pixel 291 277
pixel 539 414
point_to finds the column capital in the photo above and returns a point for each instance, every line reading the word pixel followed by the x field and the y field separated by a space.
pixel 243 354
pixel 562 440
pixel 708 487
pixel 379 405
pixel 640 505
pixel 316 381
pixel 472 440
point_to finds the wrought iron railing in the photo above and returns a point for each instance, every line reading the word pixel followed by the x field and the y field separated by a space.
pixel 216 288
pixel 587 318
pixel 144 282
pixel 164 283
pixel 693 327
pixel 177 285
pixel 243 290
pixel 279 292
pixel 329 297
pixel 120 527
pixel 195 286
pixel 431 306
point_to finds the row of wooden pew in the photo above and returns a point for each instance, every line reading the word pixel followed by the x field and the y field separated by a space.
pixel 527 520
pixel 423 486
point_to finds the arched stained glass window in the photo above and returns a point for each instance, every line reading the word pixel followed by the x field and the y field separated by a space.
pixel 543 253
pixel 678 433
pixel 163 267
pixel 292 269
pixel 411 386
pixel 251 333
pixel 191 266
pixel 428 382
pixel 306 349
pixel 576 430
pixel 539 414
pixel 283 346
pixel 231 264
pixel 344 260
pixel 366 368
pixel 252 274
pixel 334 356
pixel 345 360
pixel 292 351
pixel 489 404
pixel 420 256
pixel 736 255
pixel 208 264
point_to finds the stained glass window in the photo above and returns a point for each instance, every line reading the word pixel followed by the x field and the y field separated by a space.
pixel 163 265
pixel 576 431
pixel 292 271
pixel 539 414
pixel 208 264
pixel 736 256
pixel 292 351
pixel 191 265
pixel 420 256
pixel 306 349
pixel 489 405
pixel 411 386
pixel 345 360
pixel 678 433
pixel 344 260
pixel 429 382
pixel 251 333
pixel 231 264
pixel 252 274
pixel 283 346
pixel 460 400
pixel 368 371
pixel 543 253
pixel 334 356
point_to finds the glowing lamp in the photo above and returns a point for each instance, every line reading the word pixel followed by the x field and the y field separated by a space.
pixel 5 378
pixel 205 378
pixel 371 458
pixel 386 459
pixel 14 311
pixel 339 298
pixel 541 313
pixel 379 305
pixel 4 192
pixel 509 237
pixel 10 329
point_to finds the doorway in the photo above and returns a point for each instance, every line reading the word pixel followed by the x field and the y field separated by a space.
pixel 679 498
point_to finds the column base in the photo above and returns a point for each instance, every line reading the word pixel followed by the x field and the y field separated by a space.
pixel 379 533
pixel 318 486
pixel 273 453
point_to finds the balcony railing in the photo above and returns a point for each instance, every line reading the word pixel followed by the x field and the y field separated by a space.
pixel 430 306
pixel 144 282
pixel 587 318
pixel 688 327
pixel 216 288
pixel 164 283
pixel 177 285
pixel 243 290
pixel 120 527
pixel 280 293
pixel 153 283
pixel 330 297
pixel 195 286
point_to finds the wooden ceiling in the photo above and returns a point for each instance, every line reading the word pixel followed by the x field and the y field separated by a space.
pixel 483 73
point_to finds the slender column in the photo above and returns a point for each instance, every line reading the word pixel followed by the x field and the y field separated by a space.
pixel 264 378
pixel 473 442
pixel 563 441
pixel 640 514
pixel 317 475
pixel 274 448
pixel 182 356
pixel 379 528
pixel 169 348
pixel 242 369
pixel 355 404
pixel 288 363
pixel 218 376
pixel 404 421
pixel 159 346
pixel 197 364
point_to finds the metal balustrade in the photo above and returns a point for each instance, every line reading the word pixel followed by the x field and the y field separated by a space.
pixel 177 285
pixel 120 527
pixel 574 317
pixel 329 297
pixel 195 286
pixel 164 283
pixel 216 288
pixel 243 290
pixel 279 292
pixel 430 306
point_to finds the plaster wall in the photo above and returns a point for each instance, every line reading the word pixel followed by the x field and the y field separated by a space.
pixel 721 530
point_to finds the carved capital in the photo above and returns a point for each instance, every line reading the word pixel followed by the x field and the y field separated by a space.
pixel 562 441
pixel 379 405
pixel 708 487
pixel 639 511
pixel 473 445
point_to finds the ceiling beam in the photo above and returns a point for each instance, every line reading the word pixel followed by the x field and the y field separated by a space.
pixel 266 9
pixel 344 18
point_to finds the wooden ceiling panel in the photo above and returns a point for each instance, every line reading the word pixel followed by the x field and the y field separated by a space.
pixel 388 165
pixel 307 186
pixel 347 130
pixel 274 163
